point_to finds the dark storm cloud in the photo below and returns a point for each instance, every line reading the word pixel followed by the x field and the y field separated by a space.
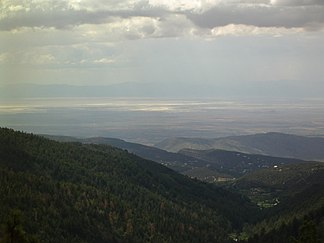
pixel 58 19
pixel 61 19
pixel 307 14
pixel 297 2
pixel 261 16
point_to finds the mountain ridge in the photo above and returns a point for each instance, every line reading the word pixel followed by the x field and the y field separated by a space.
pixel 74 192
pixel 236 163
pixel 210 165
pixel 172 160
pixel 272 144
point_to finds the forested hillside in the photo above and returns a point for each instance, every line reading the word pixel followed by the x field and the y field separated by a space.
pixel 293 197
pixel 175 161
pixel 235 163
pixel 72 192
pixel 206 165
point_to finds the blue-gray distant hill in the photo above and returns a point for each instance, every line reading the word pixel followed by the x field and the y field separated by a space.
pixel 206 165
pixel 272 144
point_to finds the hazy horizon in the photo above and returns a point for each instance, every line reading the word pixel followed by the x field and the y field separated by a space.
pixel 263 57
pixel 149 121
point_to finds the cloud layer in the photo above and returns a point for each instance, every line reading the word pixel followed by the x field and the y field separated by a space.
pixel 111 41
pixel 157 16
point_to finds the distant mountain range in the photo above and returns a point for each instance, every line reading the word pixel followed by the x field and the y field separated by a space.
pixel 206 165
pixel 62 90
pixel 271 144
pixel 275 88
pixel 127 89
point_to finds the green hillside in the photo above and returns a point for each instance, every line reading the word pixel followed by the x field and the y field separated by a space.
pixel 73 192
pixel 206 165
pixel 282 182
pixel 175 161
pixel 294 199
pixel 236 164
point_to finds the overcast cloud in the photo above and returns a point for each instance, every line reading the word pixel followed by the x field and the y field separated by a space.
pixel 201 14
pixel 220 42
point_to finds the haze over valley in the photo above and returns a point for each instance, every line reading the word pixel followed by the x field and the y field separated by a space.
pixel 162 121
pixel 149 121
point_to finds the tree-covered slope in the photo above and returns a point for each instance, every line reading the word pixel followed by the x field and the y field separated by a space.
pixel 282 183
pixel 72 192
pixel 175 161
pixel 206 165
pixel 235 163
pixel 297 191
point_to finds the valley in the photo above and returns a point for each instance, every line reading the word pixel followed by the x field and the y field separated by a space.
pixel 149 121
pixel 169 121
pixel 212 165
pixel 108 193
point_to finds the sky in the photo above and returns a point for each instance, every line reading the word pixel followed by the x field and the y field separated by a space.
pixel 214 48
